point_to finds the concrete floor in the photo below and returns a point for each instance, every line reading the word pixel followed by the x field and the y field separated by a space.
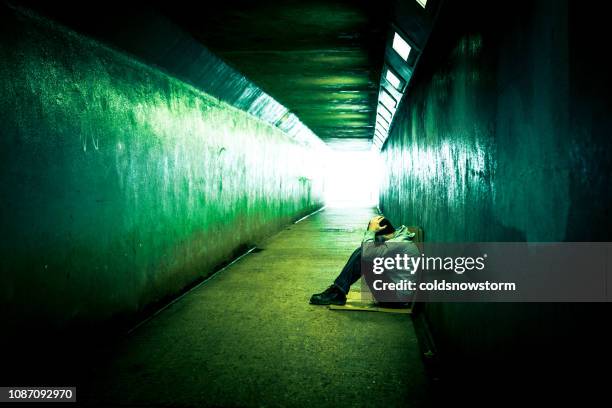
pixel 248 337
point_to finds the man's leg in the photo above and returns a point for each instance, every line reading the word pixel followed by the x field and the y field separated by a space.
pixel 350 273
pixel 336 293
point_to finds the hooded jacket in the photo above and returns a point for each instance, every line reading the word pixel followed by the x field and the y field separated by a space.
pixel 401 243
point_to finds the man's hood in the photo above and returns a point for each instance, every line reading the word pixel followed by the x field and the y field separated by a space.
pixel 403 234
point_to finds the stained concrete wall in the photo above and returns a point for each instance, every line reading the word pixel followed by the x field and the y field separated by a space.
pixel 504 136
pixel 120 184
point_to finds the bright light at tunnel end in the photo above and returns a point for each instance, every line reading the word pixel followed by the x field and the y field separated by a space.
pixel 352 178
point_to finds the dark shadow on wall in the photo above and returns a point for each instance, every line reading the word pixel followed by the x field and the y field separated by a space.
pixel 590 155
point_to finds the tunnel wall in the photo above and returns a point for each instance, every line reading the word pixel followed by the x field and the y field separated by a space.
pixel 504 136
pixel 122 185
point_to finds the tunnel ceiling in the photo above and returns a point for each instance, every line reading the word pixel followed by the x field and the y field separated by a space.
pixel 321 59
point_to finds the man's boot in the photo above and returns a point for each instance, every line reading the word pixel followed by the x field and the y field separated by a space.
pixel 331 296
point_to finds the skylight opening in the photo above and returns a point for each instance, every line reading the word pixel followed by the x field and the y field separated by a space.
pixel 383 120
pixel 387 100
pixel 401 47
pixel 423 3
pixel 385 114
pixel 393 80
pixel 381 129
pixel 383 107
pixel 384 126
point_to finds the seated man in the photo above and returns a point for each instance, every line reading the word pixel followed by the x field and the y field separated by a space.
pixel 379 230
